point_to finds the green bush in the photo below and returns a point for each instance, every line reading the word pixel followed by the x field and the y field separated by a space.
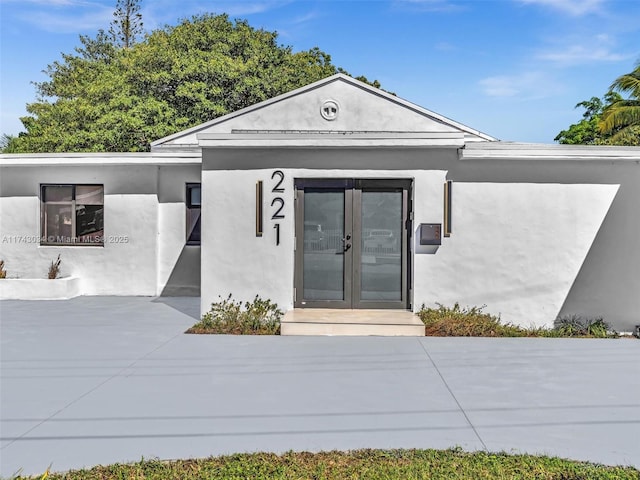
pixel 473 322
pixel 576 326
pixel 465 322
pixel 259 317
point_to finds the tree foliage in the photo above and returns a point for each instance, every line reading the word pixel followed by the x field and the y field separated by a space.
pixel 127 24
pixel 107 98
pixel 612 120
pixel 6 141
pixel 587 131
pixel 621 119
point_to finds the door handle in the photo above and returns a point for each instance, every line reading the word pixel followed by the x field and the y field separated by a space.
pixel 347 246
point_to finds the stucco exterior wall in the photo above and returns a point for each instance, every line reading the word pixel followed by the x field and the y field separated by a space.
pixel 516 248
pixel 523 235
pixel 235 261
pixel 532 239
pixel 140 249
pixel 607 281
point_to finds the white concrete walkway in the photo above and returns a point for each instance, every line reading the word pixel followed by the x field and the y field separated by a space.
pixel 97 380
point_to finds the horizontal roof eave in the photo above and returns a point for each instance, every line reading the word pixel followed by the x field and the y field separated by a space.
pixel 534 151
pixel 333 139
pixel 177 148
pixel 100 159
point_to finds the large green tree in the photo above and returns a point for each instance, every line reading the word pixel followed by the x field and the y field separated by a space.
pixel 621 119
pixel 107 98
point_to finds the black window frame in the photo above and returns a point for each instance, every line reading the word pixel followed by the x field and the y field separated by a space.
pixel 46 236
pixel 193 215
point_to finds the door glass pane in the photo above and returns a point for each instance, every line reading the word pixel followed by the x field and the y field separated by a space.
pixel 323 263
pixel 381 246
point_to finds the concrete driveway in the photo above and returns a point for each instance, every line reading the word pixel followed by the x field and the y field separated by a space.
pixel 97 380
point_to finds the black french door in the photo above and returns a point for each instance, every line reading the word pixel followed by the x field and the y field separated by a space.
pixel 352 238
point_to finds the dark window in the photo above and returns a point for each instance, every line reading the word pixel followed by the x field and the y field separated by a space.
pixel 193 213
pixel 72 215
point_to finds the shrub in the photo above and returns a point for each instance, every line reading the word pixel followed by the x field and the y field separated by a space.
pixel 465 322
pixel 259 317
pixel 54 268
pixel 473 322
pixel 3 272
pixel 576 326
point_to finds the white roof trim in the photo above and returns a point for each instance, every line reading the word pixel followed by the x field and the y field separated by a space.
pixel 376 139
pixel 338 76
pixel 100 159
pixel 533 151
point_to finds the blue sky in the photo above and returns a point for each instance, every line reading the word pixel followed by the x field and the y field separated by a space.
pixel 511 68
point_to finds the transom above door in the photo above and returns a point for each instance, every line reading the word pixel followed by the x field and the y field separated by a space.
pixel 352 238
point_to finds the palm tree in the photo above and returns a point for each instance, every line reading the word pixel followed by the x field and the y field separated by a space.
pixel 621 119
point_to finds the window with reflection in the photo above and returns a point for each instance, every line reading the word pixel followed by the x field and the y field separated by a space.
pixel 193 213
pixel 72 214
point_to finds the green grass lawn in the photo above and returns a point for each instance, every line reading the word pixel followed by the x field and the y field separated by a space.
pixel 360 464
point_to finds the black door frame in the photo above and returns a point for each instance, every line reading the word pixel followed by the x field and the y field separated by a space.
pixel 353 226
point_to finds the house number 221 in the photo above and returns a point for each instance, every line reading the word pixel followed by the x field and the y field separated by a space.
pixel 278 202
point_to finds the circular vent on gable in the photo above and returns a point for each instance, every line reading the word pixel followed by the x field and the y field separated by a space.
pixel 329 110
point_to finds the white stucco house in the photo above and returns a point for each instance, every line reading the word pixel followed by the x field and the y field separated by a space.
pixel 340 196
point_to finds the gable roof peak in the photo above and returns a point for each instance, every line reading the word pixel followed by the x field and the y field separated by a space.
pixel 188 136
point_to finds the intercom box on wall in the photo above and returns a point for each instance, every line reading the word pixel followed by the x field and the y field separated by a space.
pixel 430 233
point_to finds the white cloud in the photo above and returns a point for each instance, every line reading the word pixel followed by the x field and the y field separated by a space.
pixel 428 5
pixel 158 13
pixel 599 48
pixel 66 23
pixel 526 85
pixel 53 3
pixel 305 18
pixel 246 8
pixel 64 16
pixel 445 46
pixel 576 54
pixel 571 7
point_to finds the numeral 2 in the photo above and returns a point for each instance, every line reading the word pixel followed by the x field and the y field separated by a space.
pixel 278 188
pixel 277 214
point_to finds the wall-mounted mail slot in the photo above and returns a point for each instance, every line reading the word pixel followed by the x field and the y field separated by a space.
pixel 430 233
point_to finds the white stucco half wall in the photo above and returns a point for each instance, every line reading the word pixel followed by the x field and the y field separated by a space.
pixel 516 248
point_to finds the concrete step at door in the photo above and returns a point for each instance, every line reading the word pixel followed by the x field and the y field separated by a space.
pixel 320 321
